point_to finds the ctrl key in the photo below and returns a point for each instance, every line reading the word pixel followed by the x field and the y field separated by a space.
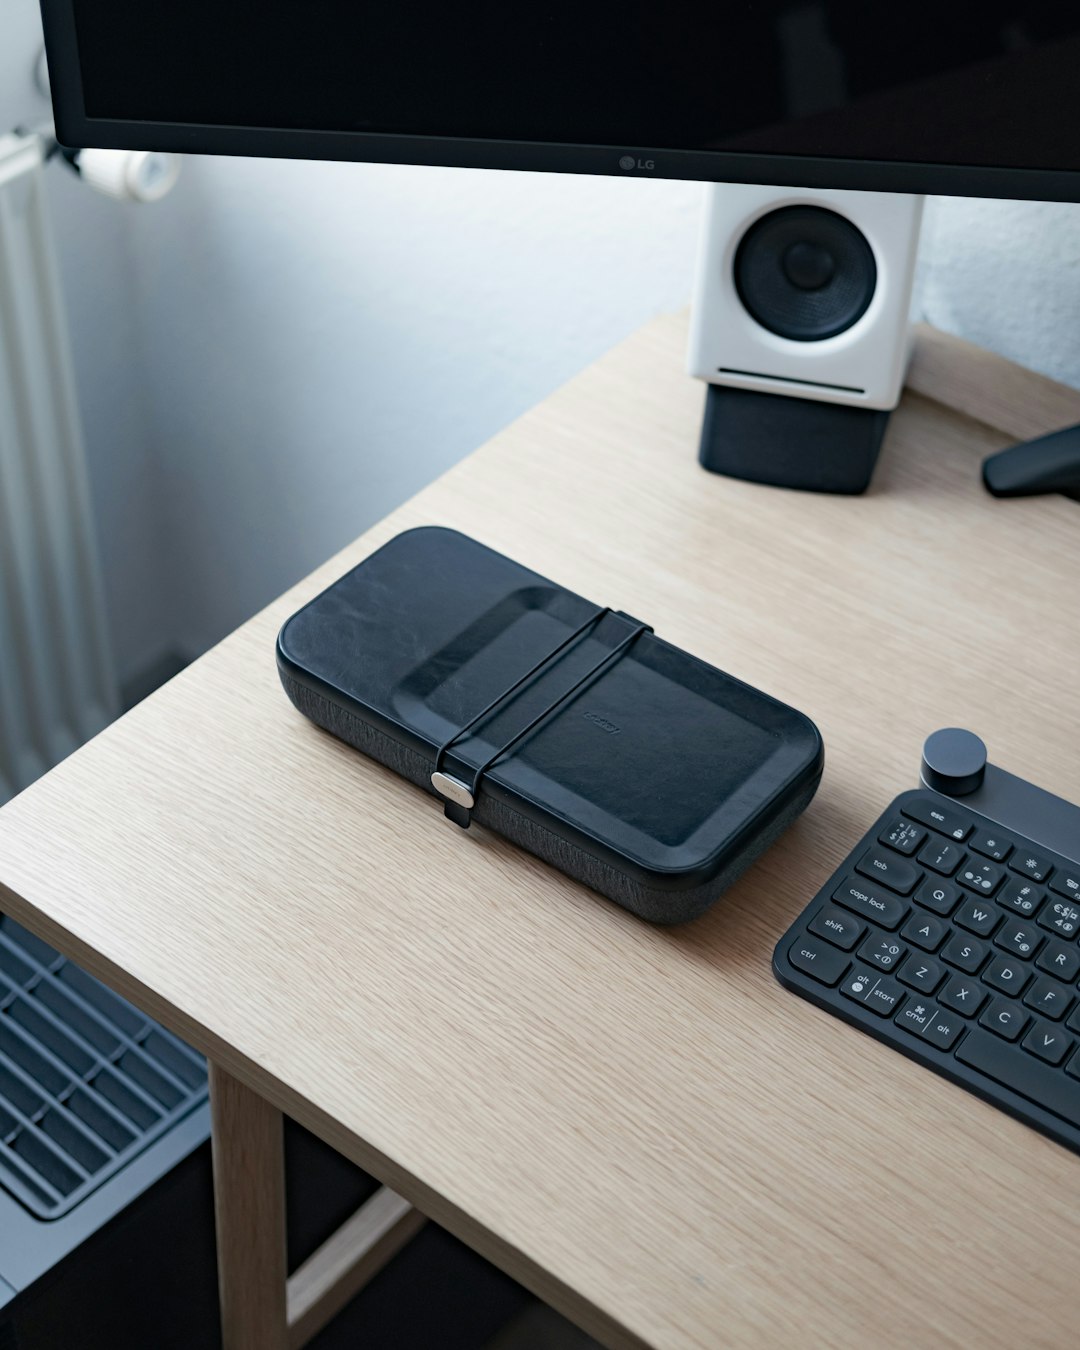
pixel 817 958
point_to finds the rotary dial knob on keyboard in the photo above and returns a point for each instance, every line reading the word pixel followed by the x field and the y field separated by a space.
pixel 953 761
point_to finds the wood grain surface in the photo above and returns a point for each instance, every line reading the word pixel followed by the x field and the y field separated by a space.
pixel 638 1123
pixel 249 1214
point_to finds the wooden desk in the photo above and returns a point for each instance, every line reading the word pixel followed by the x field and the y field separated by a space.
pixel 639 1124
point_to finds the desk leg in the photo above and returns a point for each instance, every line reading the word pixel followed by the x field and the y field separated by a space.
pixel 249 1205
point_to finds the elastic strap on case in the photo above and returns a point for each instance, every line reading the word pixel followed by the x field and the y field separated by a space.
pixel 458 797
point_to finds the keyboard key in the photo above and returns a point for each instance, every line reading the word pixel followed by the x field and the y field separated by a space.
pixel 1004 1018
pixel 1019 939
pixel 1031 865
pixel 984 877
pixel 938 817
pixel 966 952
pixel 931 1024
pixel 925 931
pixel 918 1017
pixel 1060 916
pixel 990 844
pixel 1073 1020
pixel 818 959
pixel 963 995
pixel 896 873
pixel 942 856
pixel 1007 975
pixel 882 908
pixel 1048 1041
pixel 1021 896
pixel 1049 998
pixel 1066 881
pixel 943 1029
pixel 921 973
pixel 1023 1074
pixel 842 930
pixel 877 992
pixel 902 836
pixel 977 917
pixel 885 953
pixel 940 896
pixel 1073 1066
pixel 1060 959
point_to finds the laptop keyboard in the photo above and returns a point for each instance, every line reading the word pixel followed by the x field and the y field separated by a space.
pixel 956 942
pixel 86 1080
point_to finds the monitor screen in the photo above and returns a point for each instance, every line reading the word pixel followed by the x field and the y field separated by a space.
pixel 921 96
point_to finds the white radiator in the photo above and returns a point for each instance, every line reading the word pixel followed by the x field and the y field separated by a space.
pixel 57 685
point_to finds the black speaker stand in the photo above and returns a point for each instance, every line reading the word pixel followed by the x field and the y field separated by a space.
pixel 1049 464
pixel 790 442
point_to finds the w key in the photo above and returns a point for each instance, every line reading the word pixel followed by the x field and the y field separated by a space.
pixel 977 917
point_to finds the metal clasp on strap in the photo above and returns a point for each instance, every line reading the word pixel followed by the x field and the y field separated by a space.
pixel 459 798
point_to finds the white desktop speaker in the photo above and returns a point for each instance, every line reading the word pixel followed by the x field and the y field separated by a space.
pixel 802 295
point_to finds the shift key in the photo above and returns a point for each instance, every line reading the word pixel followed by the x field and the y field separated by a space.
pixel 871 902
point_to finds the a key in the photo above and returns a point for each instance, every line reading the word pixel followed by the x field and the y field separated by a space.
pixel 941 818
pixel 1008 975
pixel 1048 1041
pixel 885 953
pixel 1060 959
pixel 943 1029
pixel 1031 865
pixel 818 959
pixel 1060 916
pixel 1003 1018
pixel 1019 939
pixel 878 992
pixel 977 917
pixel 933 1025
pixel 902 836
pixel 842 930
pixel 1049 998
pixel 984 877
pixel 940 896
pixel 921 973
pixel 967 953
pixel 1066 881
pixel 990 844
pixel 963 995
pixel 1021 896
pixel 871 903
pixel 942 856
pixel 925 931
pixel 896 873
pixel 1023 1074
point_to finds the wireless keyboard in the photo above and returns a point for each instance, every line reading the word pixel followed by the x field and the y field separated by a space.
pixel 950 932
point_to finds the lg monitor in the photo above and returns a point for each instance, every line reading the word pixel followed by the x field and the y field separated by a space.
pixel 929 96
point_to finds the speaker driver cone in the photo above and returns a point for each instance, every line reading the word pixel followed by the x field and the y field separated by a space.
pixel 805 273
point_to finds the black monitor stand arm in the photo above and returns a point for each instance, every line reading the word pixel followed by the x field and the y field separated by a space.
pixel 1049 464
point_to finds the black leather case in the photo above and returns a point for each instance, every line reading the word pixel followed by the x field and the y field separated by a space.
pixel 656 782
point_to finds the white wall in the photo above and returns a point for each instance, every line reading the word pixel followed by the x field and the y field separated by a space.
pixel 320 340
pixel 323 339
pixel 281 352
pixel 99 284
